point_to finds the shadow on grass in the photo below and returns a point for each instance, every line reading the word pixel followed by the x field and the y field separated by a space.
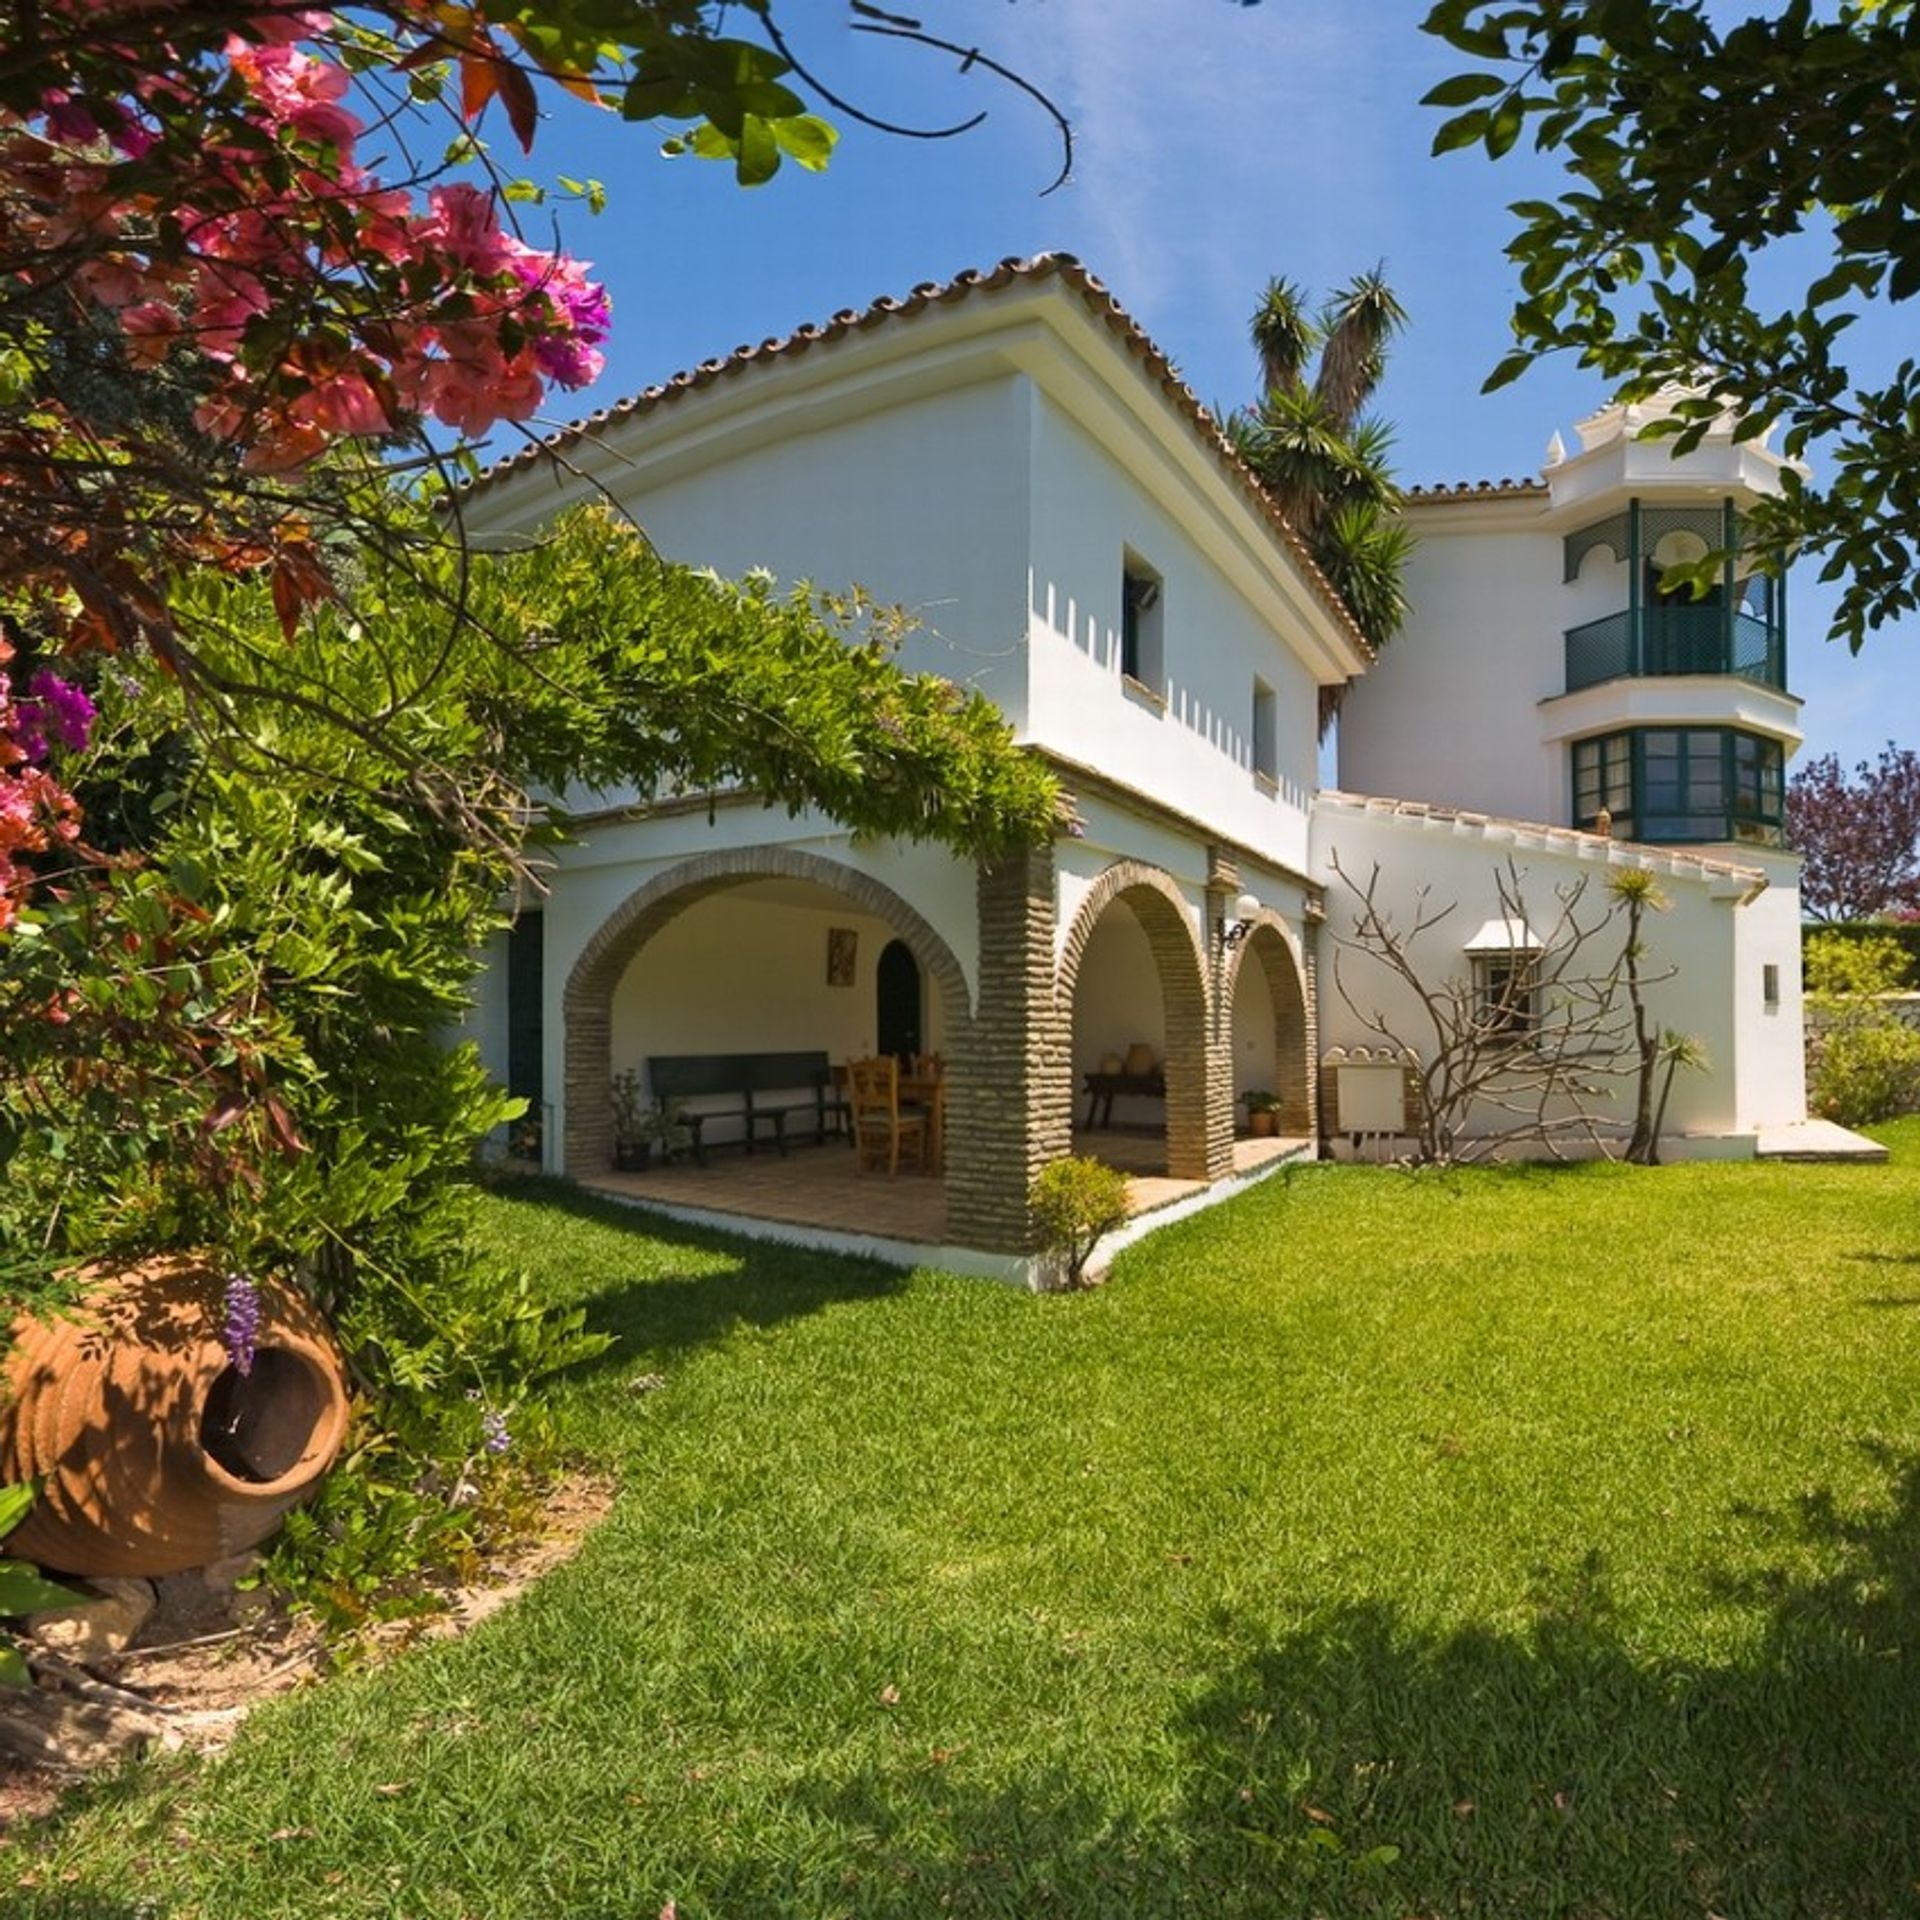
pixel 664 1313
pixel 1369 1767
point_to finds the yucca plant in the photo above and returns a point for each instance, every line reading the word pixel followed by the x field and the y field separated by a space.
pixel 1318 452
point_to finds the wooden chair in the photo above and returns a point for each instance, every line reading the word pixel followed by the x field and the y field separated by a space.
pixel 926 1088
pixel 880 1128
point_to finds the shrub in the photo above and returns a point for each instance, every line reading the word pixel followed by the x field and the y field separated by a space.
pixel 1867 1068
pixel 1075 1202
pixel 1858 960
pixel 1865 1058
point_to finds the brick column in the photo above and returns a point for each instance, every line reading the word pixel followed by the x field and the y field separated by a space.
pixel 586 1039
pixel 1223 887
pixel 1313 920
pixel 1004 1118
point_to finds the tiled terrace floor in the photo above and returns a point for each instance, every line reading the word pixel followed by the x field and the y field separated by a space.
pixel 822 1186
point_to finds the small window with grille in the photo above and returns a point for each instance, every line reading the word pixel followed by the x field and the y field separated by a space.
pixel 1506 988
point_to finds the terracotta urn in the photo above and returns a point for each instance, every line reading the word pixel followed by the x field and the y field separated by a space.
pixel 156 1452
pixel 1139 1058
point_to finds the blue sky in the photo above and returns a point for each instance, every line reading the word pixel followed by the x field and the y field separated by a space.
pixel 1217 144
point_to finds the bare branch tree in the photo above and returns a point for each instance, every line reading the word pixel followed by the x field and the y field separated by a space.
pixel 1525 1048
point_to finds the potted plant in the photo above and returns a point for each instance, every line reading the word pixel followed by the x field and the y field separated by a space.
pixel 633 1129
pixel 666 1125
pixel 524 1138
pixel 1263 1111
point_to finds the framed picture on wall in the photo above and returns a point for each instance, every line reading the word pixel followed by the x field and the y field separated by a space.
pixel 843 949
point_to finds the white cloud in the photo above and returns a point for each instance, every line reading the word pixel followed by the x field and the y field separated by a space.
pixel 1215 141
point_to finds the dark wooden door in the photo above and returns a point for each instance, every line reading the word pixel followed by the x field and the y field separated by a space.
pixel 896 989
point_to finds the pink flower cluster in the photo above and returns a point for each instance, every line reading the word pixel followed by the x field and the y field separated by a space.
pixel 37 813
pixel 229 219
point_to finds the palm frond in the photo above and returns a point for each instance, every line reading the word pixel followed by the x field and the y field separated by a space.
pixel 1364 553
pixel 1358 325
pixel 1285 334
pixel 1298 453
pixel 1364 474
pixel 1241 427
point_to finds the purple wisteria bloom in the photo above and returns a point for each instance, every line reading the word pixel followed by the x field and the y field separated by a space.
pixel 242 1330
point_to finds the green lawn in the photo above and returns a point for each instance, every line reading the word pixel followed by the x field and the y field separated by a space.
pixel 1525 1543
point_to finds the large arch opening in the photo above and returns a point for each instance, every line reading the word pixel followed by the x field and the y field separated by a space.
pixel 1133 993
pixel 764 954
pixel 1268 1034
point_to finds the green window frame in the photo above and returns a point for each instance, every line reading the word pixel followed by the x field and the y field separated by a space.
pixel 1681 784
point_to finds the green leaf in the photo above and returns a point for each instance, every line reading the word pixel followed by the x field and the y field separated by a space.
pixel 1461 89
pixel 23 1591
pixel 807 139
pixel 1463 130
pixel 13 1666
pixel 1504 128
pixel 14 1502
pixel 759 157
pixel 1509 370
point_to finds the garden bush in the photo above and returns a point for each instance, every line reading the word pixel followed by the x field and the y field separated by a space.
pixel 1864 1058
pixel 1076 1202
pixel 232 1018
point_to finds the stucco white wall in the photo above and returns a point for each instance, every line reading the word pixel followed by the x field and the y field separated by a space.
pixel 1195 754
pixel 923 503
pixel 1449 712
pixel 1697 938
pixel 1770 1053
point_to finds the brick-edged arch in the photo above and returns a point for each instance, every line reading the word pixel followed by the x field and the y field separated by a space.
pixel 1270 946
pixel 1194 1149
pixel 588 1001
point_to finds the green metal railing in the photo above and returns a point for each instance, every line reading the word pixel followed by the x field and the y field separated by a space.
pixel 1657 635
pixel 1676 639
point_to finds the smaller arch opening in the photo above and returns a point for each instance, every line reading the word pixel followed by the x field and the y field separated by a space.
pixel 263 1426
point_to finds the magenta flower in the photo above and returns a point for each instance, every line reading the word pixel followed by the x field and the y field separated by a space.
pixel 55 710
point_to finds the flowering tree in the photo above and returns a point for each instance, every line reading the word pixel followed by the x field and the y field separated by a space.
pixel 219 321
pixel 1859 834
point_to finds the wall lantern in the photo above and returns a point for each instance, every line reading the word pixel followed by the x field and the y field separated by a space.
pixel 1246 910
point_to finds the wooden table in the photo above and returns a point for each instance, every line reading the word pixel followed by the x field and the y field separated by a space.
pixel 1100 1089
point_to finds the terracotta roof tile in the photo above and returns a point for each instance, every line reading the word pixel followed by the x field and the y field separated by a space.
pixel 890 310
pixel 1571 840
pixel 1480 490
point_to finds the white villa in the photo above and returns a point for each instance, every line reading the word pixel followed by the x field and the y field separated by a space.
pixel 1008 456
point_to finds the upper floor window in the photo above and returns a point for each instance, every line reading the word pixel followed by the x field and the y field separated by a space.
pixel 1680 784
pixel 1265 735
pixel 1142 625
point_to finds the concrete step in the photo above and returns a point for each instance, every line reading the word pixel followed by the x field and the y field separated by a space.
pixel 1816 1140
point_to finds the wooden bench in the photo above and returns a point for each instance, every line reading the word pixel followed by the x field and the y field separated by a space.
pixel 759 1080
